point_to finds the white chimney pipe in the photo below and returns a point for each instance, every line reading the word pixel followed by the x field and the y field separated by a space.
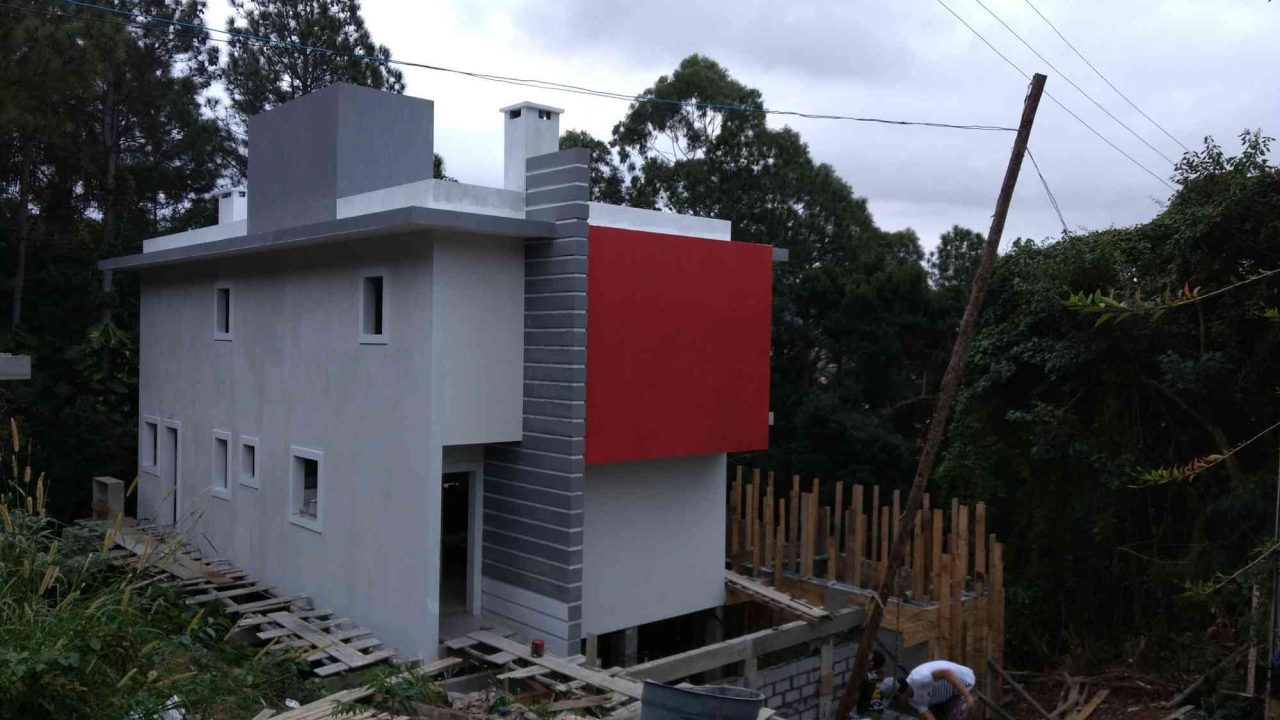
pixel 233 204
pixel 531 130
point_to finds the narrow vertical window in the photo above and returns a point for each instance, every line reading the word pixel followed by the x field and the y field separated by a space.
pixel 150 443
pixel 248 461
pixel 373 308
pixel 221 480
pixel 222 313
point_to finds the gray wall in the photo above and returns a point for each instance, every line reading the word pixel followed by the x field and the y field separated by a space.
pixel 338 141
pixel 534 489
pixel 295 374
pixel 653 541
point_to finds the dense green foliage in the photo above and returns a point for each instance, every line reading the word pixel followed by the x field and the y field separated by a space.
pixel 84 638
pixel 859 336
pixel 1061 415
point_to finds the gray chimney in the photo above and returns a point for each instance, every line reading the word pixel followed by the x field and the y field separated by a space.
pixel 339 141
pixel 531 130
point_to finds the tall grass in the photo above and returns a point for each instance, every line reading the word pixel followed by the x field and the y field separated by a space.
pixel 83 637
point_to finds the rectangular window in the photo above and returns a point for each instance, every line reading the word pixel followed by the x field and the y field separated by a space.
pixel 222 312
pixel 306 488
pixel 150 443
pixel 373 308
pixel 221 480
pixel 249 461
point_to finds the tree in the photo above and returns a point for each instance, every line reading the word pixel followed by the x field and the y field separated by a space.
pixel 852 306
pixel 287 48
pixel 607 182
pixel 105 140
pixel 1064 417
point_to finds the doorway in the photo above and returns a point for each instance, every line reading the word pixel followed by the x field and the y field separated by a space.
pixel 459 552
pixel 167 513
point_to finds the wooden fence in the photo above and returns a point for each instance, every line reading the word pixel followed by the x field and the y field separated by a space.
pixel 949 591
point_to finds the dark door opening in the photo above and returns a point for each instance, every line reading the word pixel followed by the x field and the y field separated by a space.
pixel 455 526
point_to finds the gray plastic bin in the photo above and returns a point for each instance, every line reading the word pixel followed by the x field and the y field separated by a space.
pixel 706 702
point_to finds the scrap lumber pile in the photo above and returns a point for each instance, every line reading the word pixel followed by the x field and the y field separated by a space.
pixel 285 623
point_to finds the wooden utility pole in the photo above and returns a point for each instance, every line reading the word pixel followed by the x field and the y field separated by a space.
pixel 946 398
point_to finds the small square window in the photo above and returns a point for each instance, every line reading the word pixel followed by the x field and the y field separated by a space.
pixel 221 479
pixel 306 488
pixel 149 444
pixel 222 312
pixel 249 461
pixel 373 308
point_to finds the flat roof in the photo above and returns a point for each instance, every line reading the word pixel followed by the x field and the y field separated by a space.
pixel 385 222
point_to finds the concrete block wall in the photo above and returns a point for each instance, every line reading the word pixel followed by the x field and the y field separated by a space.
pixel 791 688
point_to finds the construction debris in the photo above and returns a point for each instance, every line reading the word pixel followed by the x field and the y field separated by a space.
pixel 285 623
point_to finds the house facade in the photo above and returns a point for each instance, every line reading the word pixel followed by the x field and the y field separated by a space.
pixel 424 402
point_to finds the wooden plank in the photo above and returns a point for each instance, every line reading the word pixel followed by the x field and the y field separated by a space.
pixel 874 512
pixel 935 548
pixel 369 659
pixel 320 639
pixel 859 537
pixel 980 541
pixel 735 504
pixel 780 560
pixel 774 597
pixel 837 512
pixel 1092 705
pixel 897 513
pixel 358 644
pixel 237 592
pixel 884 543
pixel 622 686
pixel 944 606
pixel 997 602
pixel 769 507
pixel 794 520
pixel 962 538
pixel 917 561
pixel 263 605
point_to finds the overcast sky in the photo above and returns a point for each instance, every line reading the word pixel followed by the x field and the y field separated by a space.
pixel 1207 67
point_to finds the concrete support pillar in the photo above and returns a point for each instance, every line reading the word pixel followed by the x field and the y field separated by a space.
pixel 826 679
pixel 751 673
pixel 593 650
pixel 714 634
pixel 630 646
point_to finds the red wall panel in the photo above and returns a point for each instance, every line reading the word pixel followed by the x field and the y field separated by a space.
pixel 678 332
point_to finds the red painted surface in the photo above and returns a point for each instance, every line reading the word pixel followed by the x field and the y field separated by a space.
pixel 678 332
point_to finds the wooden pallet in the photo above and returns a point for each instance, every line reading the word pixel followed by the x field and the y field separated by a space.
pixel 287 623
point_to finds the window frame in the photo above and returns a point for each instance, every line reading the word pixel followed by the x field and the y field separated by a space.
pixel 247 441
pixel 152 423
pixel 223 491
pixel 384 337
pixel 314 524
pixel 218 334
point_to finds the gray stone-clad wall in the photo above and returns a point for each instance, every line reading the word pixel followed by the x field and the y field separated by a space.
pixel 533 490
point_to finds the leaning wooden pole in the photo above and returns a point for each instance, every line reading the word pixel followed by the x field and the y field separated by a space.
pixel 946 398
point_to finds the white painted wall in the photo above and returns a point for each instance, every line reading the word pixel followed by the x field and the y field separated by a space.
pixel 478 338
pixel 441 194
pixel 296 374
pixel 656 221
pixel 653 541
pixel 221 231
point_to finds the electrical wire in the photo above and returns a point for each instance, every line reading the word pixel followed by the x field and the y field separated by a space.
pixel 1052 200
pixel 537 83
pixel 1072 83
pixel 1055 100
pixel 1098 72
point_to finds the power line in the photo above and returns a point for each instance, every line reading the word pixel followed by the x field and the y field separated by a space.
pixel 1052 200
pixel 1104 77
pixel 1055 100
pixel 537 83
pixel 1071 82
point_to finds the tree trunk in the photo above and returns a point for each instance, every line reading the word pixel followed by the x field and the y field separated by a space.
pixel 110 144
pixel 24 224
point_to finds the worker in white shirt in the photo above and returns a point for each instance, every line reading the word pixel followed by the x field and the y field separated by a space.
pixel 937 690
